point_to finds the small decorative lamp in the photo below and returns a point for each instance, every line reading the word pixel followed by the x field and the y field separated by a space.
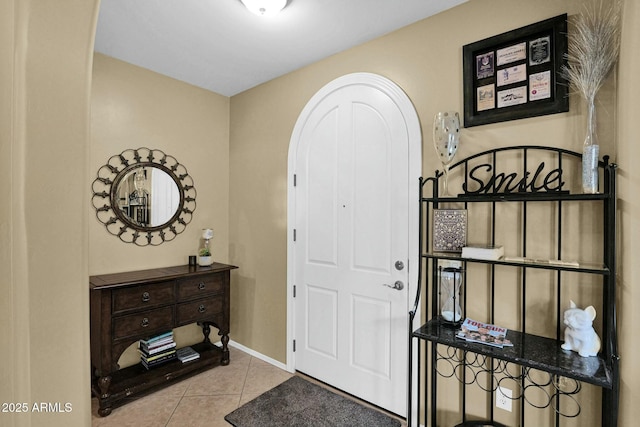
pixel 205 258
pixel 450 281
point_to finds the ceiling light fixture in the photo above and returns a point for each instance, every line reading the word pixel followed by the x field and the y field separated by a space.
pixel 265 7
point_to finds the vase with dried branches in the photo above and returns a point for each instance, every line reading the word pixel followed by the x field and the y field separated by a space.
pixel 593 49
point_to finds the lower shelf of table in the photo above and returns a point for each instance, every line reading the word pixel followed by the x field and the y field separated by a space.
pixel 528 350
pixel 134 381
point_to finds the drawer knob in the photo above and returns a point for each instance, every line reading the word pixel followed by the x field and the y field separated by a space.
pixel 202 308
pixel 146 297
pixel 145 322
pixel 201 286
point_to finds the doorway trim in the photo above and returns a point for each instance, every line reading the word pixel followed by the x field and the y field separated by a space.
pixel 415 170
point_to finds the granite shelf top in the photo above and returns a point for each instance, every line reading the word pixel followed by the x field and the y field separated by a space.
pixel 528 350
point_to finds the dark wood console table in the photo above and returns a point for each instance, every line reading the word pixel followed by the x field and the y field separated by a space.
pixel 129 306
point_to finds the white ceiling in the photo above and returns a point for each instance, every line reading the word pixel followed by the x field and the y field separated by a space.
pixel 220 46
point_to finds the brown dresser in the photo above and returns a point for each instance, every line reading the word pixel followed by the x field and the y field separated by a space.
pixel 129 306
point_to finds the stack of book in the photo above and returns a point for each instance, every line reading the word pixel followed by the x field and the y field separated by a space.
pixel 187 354
pixel 157 350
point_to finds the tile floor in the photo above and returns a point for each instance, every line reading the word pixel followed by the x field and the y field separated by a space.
pixel 199 401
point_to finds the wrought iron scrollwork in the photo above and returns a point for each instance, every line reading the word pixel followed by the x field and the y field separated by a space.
pixel 539 389
pixel 111 206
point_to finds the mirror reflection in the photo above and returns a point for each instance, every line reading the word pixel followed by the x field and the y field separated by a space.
pixel 144 196
pixel 148 196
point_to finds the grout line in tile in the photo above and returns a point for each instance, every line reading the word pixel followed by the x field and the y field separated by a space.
pixel 244 383
pixel 174 411
pixel 188 384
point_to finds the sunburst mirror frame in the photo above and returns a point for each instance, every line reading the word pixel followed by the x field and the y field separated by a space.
pixel 105 197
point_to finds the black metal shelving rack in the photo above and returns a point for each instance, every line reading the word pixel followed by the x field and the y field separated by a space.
pixel 529 351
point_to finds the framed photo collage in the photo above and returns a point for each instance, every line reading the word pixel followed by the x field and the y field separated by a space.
pixel 516 75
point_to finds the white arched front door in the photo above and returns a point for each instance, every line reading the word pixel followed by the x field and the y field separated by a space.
pixel 354 163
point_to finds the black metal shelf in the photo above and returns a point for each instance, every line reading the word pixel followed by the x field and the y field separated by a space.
pixel 528 350
pixel 591 268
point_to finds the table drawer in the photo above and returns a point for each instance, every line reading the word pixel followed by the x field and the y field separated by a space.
pixel 202 309
pixel 144 296
pixel 195 287
pixel 143 323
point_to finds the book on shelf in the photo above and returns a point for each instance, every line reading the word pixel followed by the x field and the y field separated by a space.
pixel 155 350
pixel 187 354
pixel 165 336
pixel 488 252
pixel 484 333
pixel 156 344
pixel 151 358
pixel 148 364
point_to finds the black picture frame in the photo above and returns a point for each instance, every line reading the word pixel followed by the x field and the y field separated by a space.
pixel 516 75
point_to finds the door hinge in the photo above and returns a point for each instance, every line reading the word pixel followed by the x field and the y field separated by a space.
pixel 294 346
pixel 295 179
pixel 294 291
pixel 294 234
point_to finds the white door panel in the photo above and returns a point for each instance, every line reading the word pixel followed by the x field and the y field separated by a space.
pixel 321 195
pixel 322 321
pixel 352 222
pixel 371 340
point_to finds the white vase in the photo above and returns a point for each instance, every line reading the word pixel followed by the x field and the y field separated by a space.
pixel 205 261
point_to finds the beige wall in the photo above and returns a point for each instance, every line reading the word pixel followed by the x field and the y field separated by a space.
pixel 44 128
pixel 132 107
pixel 45 51
pixel 628 129
pixel 7 328
pixel 425 60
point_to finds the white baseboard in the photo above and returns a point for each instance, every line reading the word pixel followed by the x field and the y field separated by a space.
pixel 257 355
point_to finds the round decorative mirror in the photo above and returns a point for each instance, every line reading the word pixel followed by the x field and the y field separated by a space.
pixel 144 196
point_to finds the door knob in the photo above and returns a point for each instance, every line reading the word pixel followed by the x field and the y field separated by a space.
pixel 398 285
